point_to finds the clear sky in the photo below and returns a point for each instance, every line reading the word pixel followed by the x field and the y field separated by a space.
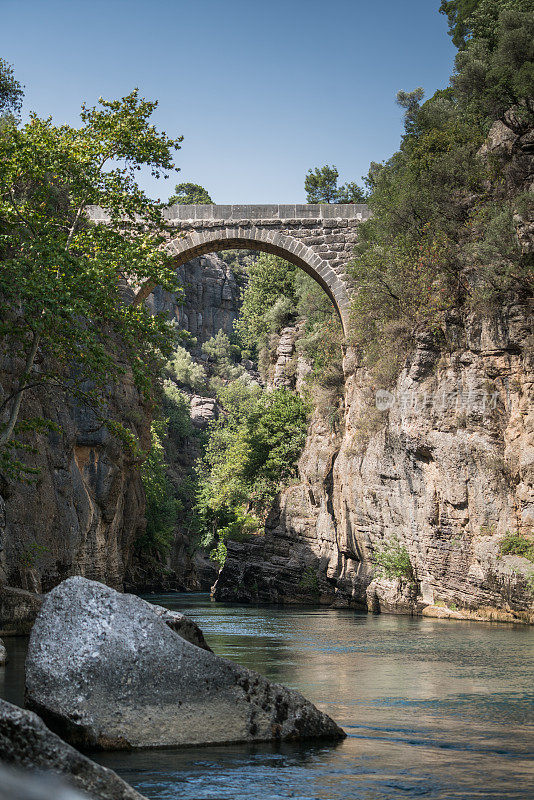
pixel 261 91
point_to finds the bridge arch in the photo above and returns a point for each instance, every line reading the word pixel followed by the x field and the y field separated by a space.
pixel 185 247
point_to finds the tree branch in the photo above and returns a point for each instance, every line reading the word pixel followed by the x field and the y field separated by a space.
pixel 147 288
pixel 7 433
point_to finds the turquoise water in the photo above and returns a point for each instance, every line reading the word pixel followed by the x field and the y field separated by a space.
pixel 435 709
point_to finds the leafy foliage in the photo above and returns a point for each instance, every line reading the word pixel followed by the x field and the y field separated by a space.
pixel 439 236
pixel 278 294
pixel 11 92
pixel 162 507
pixel 309 581
pixel 391 560
pixel 270 278
pixel 60 304
pixel 516 544
pixel 190 194
pixel 223 356
pixel 185 370
pixel 321 186
pixel 176 409
pixel 251 452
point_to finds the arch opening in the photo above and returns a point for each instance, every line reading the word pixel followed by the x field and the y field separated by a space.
pixel 193 245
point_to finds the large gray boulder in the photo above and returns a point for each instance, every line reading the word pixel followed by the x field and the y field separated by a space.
pixel 26 742
pixel 105 671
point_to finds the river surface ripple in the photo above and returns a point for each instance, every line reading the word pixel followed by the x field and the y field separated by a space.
pixel 437 709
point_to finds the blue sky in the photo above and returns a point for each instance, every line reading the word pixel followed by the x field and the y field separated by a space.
pixel 260 91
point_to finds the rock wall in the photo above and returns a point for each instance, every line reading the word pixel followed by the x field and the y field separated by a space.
pixel 85 508
pixel 211 298
pixel 82 511
pixel 445 464
pixel 210 303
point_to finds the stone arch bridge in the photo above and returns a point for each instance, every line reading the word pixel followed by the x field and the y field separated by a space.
pixel 317 238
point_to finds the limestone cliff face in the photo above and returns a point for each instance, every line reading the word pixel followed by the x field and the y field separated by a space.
pixel 445 464
pixel 210 303
pixel 211 299
pixel 83 510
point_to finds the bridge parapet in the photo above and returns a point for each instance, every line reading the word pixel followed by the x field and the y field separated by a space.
pixel 233 213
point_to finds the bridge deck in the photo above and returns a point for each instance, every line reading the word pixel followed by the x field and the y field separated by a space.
pixel 323 211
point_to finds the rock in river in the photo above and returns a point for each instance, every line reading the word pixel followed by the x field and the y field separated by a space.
pixel 181 625
pixel 26 743
pixel 105 671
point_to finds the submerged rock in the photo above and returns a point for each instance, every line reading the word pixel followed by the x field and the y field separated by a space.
pixel 3 653
pixel 105 671
pixel 26 742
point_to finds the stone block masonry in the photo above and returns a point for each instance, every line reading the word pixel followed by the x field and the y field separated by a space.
pixel 317 238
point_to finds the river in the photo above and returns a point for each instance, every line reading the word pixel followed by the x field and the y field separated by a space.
pixel 439 709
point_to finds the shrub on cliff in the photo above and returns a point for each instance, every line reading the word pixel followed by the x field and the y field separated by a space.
pixel 391 560
pixel 185 370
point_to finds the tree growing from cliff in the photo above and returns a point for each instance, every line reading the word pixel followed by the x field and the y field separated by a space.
pixel 444 226
pixel 190 194
pixel 63 318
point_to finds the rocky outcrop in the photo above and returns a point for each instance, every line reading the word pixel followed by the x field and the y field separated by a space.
pixel 26 743
pixel 18 609
pixel 211 298
pixel 88 489
pixel 444 462
pixel 106 672
pixel 82 511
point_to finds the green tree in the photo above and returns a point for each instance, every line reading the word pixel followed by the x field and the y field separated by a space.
pixel 61 308
pixel 162 507
pixel 270 278
pixel 321 186
pixel 458 13
pixel 443 230
pixel 11 92
pixel 252 451
pixel 351 193
pixel 190 194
